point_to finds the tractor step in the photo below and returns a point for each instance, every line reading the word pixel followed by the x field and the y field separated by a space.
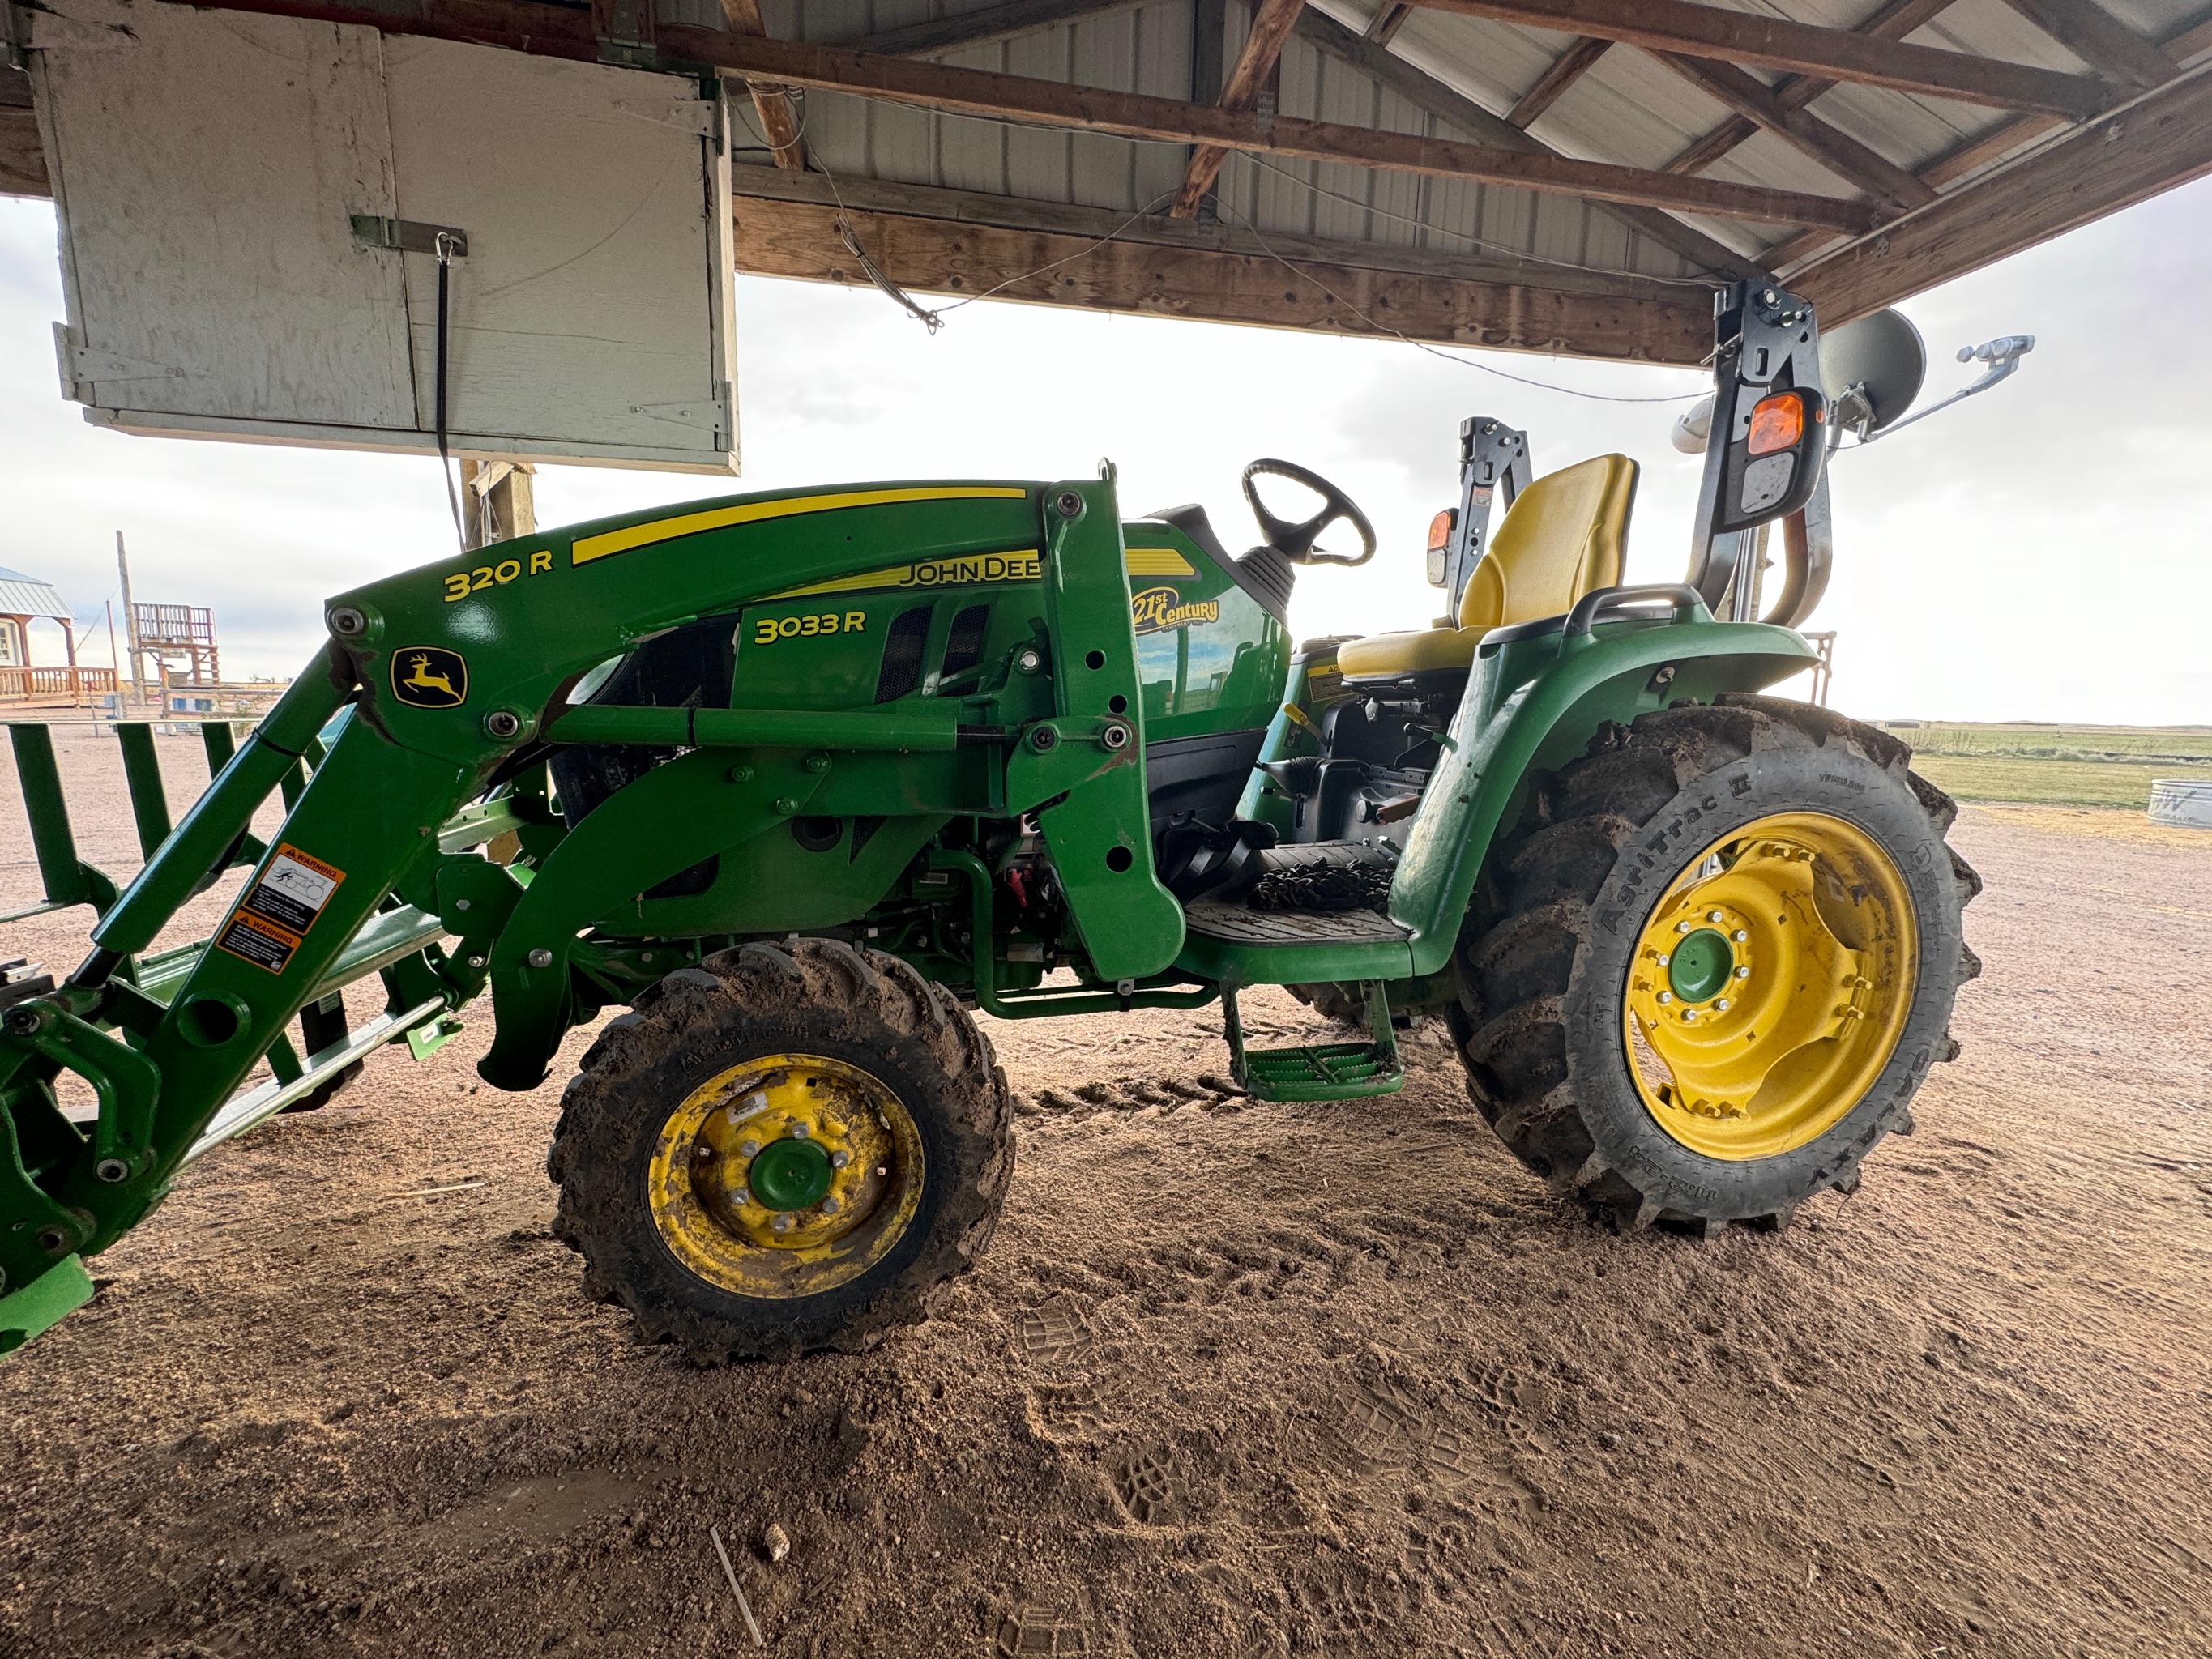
pixel 1324 1070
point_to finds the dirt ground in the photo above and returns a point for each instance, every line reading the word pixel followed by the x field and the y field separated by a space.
pixel 1234 1380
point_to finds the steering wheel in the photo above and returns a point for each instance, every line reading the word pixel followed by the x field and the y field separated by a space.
pixel 1295 542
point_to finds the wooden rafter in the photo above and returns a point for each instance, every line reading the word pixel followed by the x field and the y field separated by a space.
pixel 1389 17
pixel 1221 236
pixel 932 255
pixel 1738 37
pixel 2101 40
pixel 1568 67
pixel 985 27
pixel 1832 148
pixel 1424 92
pixel 2164 140
pixel 1893 23
pixel 1272 20
pixel 1136 115
pixel 1971 156
pixel 771 104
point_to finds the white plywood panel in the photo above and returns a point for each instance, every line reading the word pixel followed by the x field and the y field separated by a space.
pixel 229 286
pixel 209 165
pixel 588 275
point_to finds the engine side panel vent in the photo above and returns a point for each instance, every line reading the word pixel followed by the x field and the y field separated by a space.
pixel 964 649
pixel 901 674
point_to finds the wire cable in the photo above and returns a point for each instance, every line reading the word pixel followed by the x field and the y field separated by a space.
pixel 445 460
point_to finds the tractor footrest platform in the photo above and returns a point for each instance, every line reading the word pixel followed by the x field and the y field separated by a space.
pixel 1325 1071
pixel 1322 1071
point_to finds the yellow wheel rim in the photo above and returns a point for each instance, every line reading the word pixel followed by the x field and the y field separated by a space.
pixel 786 1177
pixel 1769 985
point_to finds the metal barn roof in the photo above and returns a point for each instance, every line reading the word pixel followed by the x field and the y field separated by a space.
pixel 26 596
pixel 1563 175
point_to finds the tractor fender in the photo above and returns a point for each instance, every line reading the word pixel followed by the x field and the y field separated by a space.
pixel 1532 704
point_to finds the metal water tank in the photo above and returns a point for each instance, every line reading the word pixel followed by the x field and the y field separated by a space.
pixel 2184 803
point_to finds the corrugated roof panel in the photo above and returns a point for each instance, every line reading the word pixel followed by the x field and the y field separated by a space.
pixel 1630 109
pixel 1149 50
pixel 26 596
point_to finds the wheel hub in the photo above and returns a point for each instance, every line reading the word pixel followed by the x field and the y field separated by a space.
pixel 1769 985
pixel 786 1175
pixel 1700 966
pixel 790 1174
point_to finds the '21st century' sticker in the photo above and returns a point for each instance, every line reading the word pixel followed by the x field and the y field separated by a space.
pixel 279 909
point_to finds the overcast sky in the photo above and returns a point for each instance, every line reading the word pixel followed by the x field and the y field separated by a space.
pixel 2038 553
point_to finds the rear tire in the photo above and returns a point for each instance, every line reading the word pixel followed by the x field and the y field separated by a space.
pixel 680 1104
pixel 1557 956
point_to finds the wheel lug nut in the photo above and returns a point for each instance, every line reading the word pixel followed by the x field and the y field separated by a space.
pixel 839 1160
pixel 799 1131
pixel 1720 1005
pixel 1689 1016
pixel 1664 958
pixel 1739 936
pixel 1681 927
pixel 831 1206
pixel 743 1195
pixel 749 1148
pixel 1666 996
pixel 782 1223
pixel 1743 973
pixel 1715 915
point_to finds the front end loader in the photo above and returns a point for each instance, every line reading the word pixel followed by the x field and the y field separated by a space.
pixel 800 779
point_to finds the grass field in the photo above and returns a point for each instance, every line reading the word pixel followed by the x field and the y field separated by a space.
pixel 2056 765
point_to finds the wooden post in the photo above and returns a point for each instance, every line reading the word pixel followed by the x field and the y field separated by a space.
pixel 129 619
pixel 498 500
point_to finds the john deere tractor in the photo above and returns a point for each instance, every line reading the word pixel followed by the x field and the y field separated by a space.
pixel 800 779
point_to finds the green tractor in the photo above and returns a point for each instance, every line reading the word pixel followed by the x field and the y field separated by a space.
pixel 800 779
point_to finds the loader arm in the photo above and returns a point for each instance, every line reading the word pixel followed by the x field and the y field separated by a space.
pixel 459 678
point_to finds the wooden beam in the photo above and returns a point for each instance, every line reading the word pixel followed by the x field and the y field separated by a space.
pixel 2101 40
pixel 1738 37
pixel 779 238
pixel 1135 115
pixel 2164 140
pixel 1568 67
pixel 1893 23
pixel 986 26
pixel 1424 91
pixel 771 104
pixel 1803 131
pixel 1715 144
pixel 1255 65
pixel 1093 224
pixel 22 158
pixel 1971 156
pixel 1389 17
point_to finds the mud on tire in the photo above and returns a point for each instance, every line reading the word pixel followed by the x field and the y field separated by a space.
pixel 809 996
pixel 1545 954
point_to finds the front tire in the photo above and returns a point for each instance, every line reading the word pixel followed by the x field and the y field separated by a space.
pixel 1708 970
pixel 786 1149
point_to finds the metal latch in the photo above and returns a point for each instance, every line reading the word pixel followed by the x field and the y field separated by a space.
pixel 372 230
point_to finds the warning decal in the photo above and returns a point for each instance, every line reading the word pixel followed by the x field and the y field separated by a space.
pixel 293 889
pixel 263 945
pixel 280 906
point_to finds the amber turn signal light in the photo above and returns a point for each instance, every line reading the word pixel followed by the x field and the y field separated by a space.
pixel 1776 423
pixel 1440 529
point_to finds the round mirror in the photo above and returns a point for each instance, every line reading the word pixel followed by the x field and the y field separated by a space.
pixel 1872 369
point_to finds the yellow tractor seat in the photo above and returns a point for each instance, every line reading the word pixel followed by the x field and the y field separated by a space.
pixel 1566 535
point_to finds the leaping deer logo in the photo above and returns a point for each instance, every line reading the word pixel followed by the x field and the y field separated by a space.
pixel 420 676
pixel 429 677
